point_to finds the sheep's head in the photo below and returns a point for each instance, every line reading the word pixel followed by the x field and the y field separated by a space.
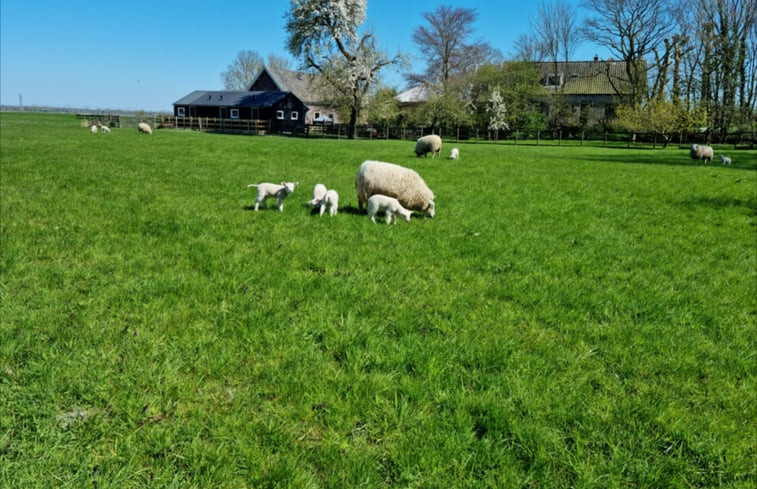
pixel 289 186
pixel 430 209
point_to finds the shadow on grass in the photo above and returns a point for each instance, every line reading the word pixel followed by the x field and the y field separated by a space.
pixel 644 157
pixel 721 203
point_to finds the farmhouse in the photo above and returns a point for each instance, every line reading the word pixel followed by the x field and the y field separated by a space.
pixel 590 88
pixel 283 111
pixel 303 86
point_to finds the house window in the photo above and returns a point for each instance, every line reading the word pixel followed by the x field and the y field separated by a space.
pixel 180 111
pixel 553 80
pixel 280 115
pixel 294 115
pixel 235 113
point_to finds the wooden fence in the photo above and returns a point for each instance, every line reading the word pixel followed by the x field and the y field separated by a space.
pixel 214 124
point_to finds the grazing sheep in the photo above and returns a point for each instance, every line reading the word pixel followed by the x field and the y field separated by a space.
pixel 318 192
pixel 266 190
pixel 724 159
pixel 93 128
pixel 454 154
pixel 330 200
pixel 144 127
pixel 404 184
pixel 105 129
pixel 701 152
pixel 429 144
pixel 389 205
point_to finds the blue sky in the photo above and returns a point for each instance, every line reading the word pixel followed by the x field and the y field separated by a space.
pixel 141 55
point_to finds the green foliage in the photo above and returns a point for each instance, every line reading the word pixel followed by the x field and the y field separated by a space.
pixel 572 317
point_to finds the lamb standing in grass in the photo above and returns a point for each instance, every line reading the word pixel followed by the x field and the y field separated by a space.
pixel 318 193
pixel 105 129
pixel 724 159
pixel 93 128
pixel 701 152
pixel 266 190
pixel 454 154
pixel 404 184
pixel 145 128
pixel 330 200
pixel 389 205
pixel 429 144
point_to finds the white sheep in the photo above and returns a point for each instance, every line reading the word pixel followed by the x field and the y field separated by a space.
pixel 105 129
pixel 724 159
pixel 144 127
pixel 266 190
pixel 93 128
pixel 330 200
pixel 454 154
pixel 429 144
pixel 404 184
pixel 389 205
pixel 701 152
pixel 318 192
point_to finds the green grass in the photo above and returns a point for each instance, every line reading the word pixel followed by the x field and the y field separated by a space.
pixel 572 317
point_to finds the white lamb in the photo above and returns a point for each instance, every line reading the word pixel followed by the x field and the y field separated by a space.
pixel 93 128
pixel 105 129
pixel 724 159
pixel 404 184
pixel 454 154
pixel 318 192
pixel 429 144
pixel 145 128
pixel 330 200
pixel 266 190
pixel 389 205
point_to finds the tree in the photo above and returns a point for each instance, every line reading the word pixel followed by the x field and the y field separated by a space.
pixel 324 35
pixel 497 114
pixel 630 29
pixel 246 66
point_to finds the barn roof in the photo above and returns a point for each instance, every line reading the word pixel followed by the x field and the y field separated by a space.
pixel 299 83
pixel 228 98
pixel 586 77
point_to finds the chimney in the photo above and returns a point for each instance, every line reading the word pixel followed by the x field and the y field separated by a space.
pixel 596 58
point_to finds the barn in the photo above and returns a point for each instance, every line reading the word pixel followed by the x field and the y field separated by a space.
pixel 283 111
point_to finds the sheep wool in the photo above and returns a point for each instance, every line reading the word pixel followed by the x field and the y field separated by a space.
pixel 144 127
pixel 429 144
pixel 701 152
pixel 404 184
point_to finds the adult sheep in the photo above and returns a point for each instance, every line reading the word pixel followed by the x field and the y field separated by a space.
pixel 144 127
pixel 429 144
pixel 404 184
pixel 701 152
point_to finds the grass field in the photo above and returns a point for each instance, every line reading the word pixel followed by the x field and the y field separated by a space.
pixel 572 317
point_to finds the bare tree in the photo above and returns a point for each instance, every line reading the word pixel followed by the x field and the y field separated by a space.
pixel 630 29
pixel 446 46
pixel 241 72
pixel 246 66
pixel 324 35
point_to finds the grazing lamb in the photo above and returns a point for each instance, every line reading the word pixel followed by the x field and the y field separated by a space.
pixel 105 129
pixel 404 184
pixel 93 128
pixel 318 192
pixel 454 154
pixel 145 128
pixel 429 144
pixel 266 190
pixel 389 205
pixel 330 200
pixel 724 159
pixel 701 152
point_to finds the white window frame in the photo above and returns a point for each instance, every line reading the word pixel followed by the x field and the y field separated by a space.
pixel 180 111
pixel 294 115
pixel 234 113
pixel 280 115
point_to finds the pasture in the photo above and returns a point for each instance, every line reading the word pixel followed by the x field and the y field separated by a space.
pixel 572 317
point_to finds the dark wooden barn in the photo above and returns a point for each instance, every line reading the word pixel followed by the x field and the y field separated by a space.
pixel 283 111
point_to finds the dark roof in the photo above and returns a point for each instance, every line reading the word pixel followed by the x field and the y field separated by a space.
pixel 299 83
pixel 213 98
